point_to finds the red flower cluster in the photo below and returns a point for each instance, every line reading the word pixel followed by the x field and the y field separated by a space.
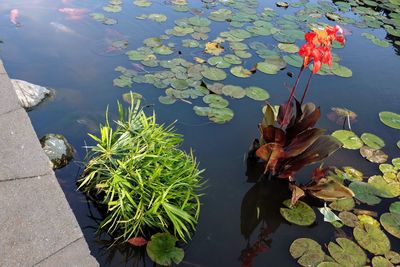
pixel 318 46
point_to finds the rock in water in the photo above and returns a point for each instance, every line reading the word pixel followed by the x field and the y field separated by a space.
pixel 29 95
pixel 57 148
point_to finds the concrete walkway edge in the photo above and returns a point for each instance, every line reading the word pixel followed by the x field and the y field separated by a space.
pixel 38 228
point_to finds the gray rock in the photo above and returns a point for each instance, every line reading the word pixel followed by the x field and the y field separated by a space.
pixel 57 148
pixel 30 95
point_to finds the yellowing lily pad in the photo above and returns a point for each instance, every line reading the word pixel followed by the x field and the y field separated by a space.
pixel 300 213
pixel 379 261
pixel 348 138
pixel 241 72
pixel 371 238
pixel 347 253
pixel 373 155
pixel 384 188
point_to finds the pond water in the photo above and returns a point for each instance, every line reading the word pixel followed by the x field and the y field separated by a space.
pixel 75 55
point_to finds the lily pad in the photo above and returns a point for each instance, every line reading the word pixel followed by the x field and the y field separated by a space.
pixel 289 48
pixel 307 251
pixel 348 138
pixel 384 188
pixel 214 74
pixel 373 155
pixel 379 261
pixel 241 72
pixel 347 253
pixel 162 250
pixel 233 91
pixel 300 213
pixel 349 219
pixel 167 100
pixel 391 223
pixel 215 101
pixel 341 71
pixel 365 192
pixel 393 257
pixel 345 204
pixel 371 238
pixel 372 140
pixel 257 93
pixel 220 115
pixel 390 119
pixel 395 207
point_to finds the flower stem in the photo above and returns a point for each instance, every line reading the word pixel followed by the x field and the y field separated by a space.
pixel 305 91
pixel 291 96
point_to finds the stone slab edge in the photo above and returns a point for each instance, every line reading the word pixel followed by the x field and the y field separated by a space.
pixel 38 226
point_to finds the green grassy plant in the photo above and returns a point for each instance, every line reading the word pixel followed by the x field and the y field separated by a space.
pixel 144 180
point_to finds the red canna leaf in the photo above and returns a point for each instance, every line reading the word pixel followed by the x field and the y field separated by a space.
pixel 137 241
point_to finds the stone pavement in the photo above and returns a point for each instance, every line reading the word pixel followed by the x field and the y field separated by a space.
pixel 37 226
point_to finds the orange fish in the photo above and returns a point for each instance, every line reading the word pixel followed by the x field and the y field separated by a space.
pixel 14 14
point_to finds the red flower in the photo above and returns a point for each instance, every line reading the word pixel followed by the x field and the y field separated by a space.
pixel 318 46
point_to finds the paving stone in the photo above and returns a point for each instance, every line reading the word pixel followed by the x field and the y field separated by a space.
pixel 2 69
pixel 9 100
pixel 20 152
pixel 74 255
pixel 35 220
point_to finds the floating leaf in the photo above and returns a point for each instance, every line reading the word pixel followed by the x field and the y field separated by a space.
pixel 282 4
pixel 393 257
pixel 167 100
pixel 215 101
pixel 214 74
pixel 391 223
pixel 233 91
pixel 379 261
pixel 371 238
pixel 131 96
pixel 220 115
pixel 349 219
pixel 162 250
pixel 384 188
pixel 341 71
pixel 241 72
pixel 372 141
pixel 213 48
pixel 348 138
pixel 390 119
pixel 345 204
pixel 329 190
pixel 395 207
pixel 347 253
pixel 365 192
pixel 289 48
pixel 137 241
pixel 307 251
pixel 373 155
pixel 257 93
pixel 300 213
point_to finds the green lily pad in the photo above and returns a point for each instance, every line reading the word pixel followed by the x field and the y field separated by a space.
pixel 241 72
pixel 232 59
pixel 307 252
pixel 384 188
pixel 220 115
pixel 391 223
pixel 341 71
pixel 371 238
pixel 131 96
pixel 395 207
pixel 352 174
pixel 372 140
pixel 215 101
pixel 379 261
pixel 199 21
pixel 289 48
pixel 157 17
pixel 163 50
pixel 268 68
pixel 218 62
pixel 347 253
pixel 257 93
pixel 123 81
pixel 384 168
pixel 294 60
pixel 214 74
pixel 396 163
pixel 233 91
pixel 167 100
pixel 348 138
pixel 398 144
pixel 142 3
pixel 345 204
pixel 201 111
pixel 300 213
pixel 328 264
pixel 162 250
pixel 390 119
pixel 365 192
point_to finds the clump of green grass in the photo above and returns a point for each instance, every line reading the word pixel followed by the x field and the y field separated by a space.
pixel 138 173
